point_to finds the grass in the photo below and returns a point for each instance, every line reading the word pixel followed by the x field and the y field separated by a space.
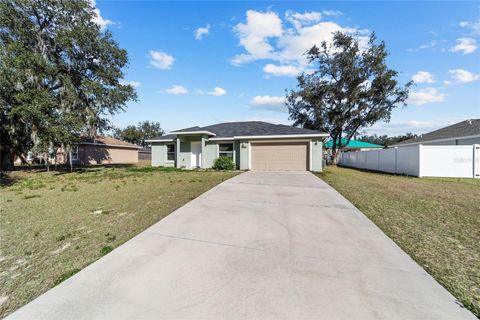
pixel 435 220
pixel 53 224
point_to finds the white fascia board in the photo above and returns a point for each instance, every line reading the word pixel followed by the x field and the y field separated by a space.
pixel 435 140
pixel 193 132
pixel 282 136
pixel 160 140
pixel 110 145
pixel 222 139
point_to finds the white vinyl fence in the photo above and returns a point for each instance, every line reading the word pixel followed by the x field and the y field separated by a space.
pixel 420 161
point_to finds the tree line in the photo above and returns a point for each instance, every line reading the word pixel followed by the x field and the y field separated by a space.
pixel 60 76
pixel 386 140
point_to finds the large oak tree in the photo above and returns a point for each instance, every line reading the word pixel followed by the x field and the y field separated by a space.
pixel 349 88
pixel 60 75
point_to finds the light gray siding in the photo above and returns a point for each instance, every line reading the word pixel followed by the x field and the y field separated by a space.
pixel 159 155
pixel 183 154
pixel 210 153
pixel 244 154
pixel 317 156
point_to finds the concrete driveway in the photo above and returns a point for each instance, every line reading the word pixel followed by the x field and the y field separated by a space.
pixel 264 245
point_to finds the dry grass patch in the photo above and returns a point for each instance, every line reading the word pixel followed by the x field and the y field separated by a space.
pixel 435 220
pixel 53 224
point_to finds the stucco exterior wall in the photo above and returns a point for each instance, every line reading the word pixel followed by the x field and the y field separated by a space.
pixel 159 155
pixel 468 141
pixel 244 154
pixel 210 153
pixel 317 156
pixel 93 154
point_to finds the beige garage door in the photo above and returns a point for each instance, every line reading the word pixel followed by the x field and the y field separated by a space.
pixel 292 156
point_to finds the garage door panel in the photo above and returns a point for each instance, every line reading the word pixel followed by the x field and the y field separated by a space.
pixel 292 156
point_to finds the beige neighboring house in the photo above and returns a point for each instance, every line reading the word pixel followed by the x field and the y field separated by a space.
pixel 105 150
pixel 100 150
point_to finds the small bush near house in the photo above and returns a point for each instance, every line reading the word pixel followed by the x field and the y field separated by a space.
pixel 223 163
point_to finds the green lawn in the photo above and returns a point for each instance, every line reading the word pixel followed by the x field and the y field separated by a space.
pixel 53 224
pixel 435 220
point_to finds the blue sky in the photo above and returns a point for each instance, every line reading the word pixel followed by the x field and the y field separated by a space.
pixel 199 63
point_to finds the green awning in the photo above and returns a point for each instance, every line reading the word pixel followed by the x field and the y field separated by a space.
pixel 353 144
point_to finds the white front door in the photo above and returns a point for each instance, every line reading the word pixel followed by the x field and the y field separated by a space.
pixel 196 150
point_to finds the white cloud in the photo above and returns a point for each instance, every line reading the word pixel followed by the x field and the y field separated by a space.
pixel 161 60
pixel 201 32
pixel 423 77
pixel 98 19
pixel 177 90
pixel 332 13
pixel 273 103
pixel 281 70
pixel 265 36
pixel 298 20
pixel 464 76
pixel 474 26
pixel 134 84
pixel 431 44
pixel 254 35
pixel 424 96
pixel 465 45
pixel 217 91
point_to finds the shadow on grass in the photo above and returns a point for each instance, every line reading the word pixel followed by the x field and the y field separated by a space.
pixel 86 172
pixel 7 180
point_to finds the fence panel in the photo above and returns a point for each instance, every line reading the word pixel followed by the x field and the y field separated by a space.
pixel 408 161
pixel 387 160
pixel 447 161
pixel 421 161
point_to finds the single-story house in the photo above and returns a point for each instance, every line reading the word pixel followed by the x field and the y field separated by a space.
pixel 98 150
pixel 252 145
pixel 462 133
pixel 105 150
pixel 354 145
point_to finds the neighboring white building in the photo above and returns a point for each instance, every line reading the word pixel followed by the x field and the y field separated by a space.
pixel 463 133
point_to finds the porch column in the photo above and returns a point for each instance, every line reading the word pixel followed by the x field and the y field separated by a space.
pixel 177 153
pixel 202 165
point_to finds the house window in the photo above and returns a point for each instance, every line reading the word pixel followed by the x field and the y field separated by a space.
pixel 225 150
pixel 75 153
pixel 170 152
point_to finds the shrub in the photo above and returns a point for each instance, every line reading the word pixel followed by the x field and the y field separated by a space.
pixel 223 163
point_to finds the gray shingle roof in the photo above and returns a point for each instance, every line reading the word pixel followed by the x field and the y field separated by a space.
pixel 461 129
pixel 246 128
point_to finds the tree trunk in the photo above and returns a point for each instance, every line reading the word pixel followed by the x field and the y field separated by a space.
pixel 70 159
pixel 7 159
pixel 47 162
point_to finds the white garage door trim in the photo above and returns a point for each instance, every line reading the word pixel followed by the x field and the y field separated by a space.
pixel 307 165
